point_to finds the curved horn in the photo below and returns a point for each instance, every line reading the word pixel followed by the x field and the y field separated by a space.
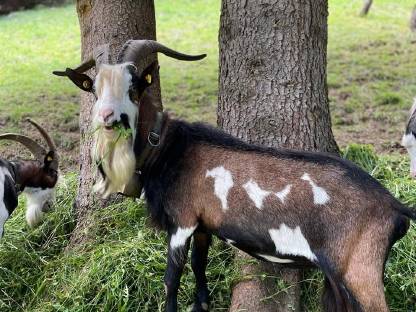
pixel 44 134
pixel 90 63
pixel 49 141
pixel 37 150
pixel 99 56
pixel 133 49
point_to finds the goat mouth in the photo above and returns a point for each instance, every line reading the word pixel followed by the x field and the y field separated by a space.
pixel 116 125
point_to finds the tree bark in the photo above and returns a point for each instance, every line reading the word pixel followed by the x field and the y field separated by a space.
pixel 110 22
pixel 366 7
pixel 273 91
pixel 412 23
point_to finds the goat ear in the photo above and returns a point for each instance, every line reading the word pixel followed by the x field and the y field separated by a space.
pixel 49 158
pixel 82 81
pixel 149 73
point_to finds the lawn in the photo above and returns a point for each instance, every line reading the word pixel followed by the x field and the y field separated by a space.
pixel 371 86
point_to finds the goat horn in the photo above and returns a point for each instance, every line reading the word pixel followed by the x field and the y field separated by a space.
pixel 90 63
pixel 44 134
pixel 99 56
pixel 37 150
pixel 49 141
pixel 133 49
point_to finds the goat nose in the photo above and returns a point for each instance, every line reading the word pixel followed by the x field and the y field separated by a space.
pixel 106 113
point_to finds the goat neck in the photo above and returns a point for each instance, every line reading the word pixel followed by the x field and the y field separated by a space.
pixel 151 123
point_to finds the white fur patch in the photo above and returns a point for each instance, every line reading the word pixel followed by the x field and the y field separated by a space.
pixel 283 193
pixel 116 156
pixel 36 200
pixel 256 194
pixel 111 149
pixel 409 142
pixel 320 196
pixel 4 213
pixel 291 242
pixel 275 259
pixel 112 84
pixel 182 234
pixel 223 182
pixel 229 241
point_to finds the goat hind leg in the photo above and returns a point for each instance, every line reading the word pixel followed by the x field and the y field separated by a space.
pixel 366 284
pixel 200 247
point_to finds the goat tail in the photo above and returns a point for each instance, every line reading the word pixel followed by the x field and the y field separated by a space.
pixel 406 211
pixel 336 297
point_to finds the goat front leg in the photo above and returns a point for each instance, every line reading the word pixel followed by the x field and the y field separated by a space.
pixel 177 255
pixel 200 247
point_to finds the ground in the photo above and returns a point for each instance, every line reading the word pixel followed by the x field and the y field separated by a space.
pixel 371 84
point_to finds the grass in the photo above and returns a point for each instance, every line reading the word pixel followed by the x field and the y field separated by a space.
pixel 371 84
pixel 122 268
pixel 370 71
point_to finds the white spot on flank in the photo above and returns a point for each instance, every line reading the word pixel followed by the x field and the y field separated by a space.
pixel 320 196
pixel 182 234
pixel 291 242
pixel 223 182
pixel 4 213
pixel 283 193
pixel 256 194
pixel 275 259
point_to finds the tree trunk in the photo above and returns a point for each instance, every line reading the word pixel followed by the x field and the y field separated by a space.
pixel 273 91
pixel 366 7
pixel 412 23
pixel 110 22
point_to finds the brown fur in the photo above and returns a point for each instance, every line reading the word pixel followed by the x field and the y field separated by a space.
pixel 31 173
pixel 362 229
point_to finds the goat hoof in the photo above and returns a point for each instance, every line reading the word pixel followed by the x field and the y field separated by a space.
pixel 200 307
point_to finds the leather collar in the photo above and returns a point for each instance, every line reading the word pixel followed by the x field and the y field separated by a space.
pixel 135 186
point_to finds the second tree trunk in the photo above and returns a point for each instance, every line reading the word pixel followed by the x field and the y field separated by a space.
pixel 273 91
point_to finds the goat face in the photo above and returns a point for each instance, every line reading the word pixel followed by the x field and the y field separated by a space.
pixel 115 114
pixel 118 92
pixel 409 140
pixel 40 190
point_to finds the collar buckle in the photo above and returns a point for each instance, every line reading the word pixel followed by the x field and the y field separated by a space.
pixel 153 138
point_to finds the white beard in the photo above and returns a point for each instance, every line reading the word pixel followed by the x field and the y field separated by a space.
pixel 116 156
pixel 35 201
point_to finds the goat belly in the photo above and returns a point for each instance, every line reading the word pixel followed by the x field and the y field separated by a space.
pixel 261 244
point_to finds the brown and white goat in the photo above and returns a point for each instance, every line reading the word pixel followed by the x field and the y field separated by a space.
pixel 35 178
pixel 290 207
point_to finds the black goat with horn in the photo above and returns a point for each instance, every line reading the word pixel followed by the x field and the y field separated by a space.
pixel 36 178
